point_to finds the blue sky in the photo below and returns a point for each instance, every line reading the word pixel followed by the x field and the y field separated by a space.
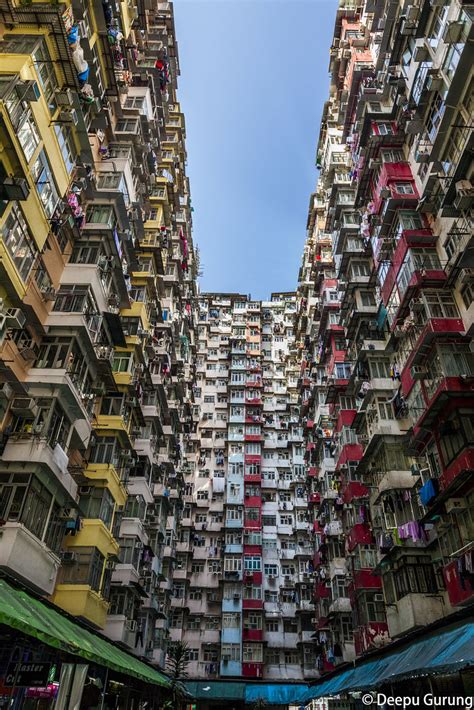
pixel 254 77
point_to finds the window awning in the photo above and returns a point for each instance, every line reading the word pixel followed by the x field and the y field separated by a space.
pixel 34 618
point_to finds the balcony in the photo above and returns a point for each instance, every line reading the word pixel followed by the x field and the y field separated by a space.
pixel 252 634
pixel 80 600
pixel 25 557
pixel 252 670
pixel 32 452
pixel 94 534
pixel 108 474
pixel 342 605
pixel 413 611
pixel 461 465
pixel 395 480
pixel 121 630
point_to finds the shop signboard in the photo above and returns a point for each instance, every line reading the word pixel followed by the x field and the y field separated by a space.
pixel 27 675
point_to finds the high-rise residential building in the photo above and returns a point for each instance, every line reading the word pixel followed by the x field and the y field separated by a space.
pixel 242 584
pixel 284 486
pixel 385 324
pixel 98 286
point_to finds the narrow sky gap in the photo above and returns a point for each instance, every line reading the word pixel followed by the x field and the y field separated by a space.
pixel 254 77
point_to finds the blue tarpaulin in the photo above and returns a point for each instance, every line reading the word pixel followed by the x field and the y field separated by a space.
pixel 276 694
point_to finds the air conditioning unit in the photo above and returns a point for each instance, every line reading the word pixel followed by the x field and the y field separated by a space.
pixel 414 126
pixel 28 90
pixel 64 97
pixel 407 27
pixel 418 372
pixel 68 557
pixel 464 195
pixel 49 294
pixel 68 115
pixel 14 188
pixel 421 53
pixel 378 598
pixel 412 13
pixel 434 82
pixel 25 406
pixel 15 318
pixel 455 505
pixel 452 32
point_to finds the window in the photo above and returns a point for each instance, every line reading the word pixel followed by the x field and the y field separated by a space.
pixel 252 514
pixel 252 592
pixel 437 23
pixel 123 362
pixel 253 621
pixel 135 102
pixel 46 74
pixel 271 625
pixel 440 305
pixel 28 134
pixel 230 621
pixel 467 294
pixel 233 564
pixel 127 126
pixel 252 653
pixel 359 268
pixel 292 658
pixel 193 623
pixel 269 520
pixel 45 185
pixel 230 652
pixel 392 156
pixel 66 146
pixel 25 500
pixel 252 563
pixel 18 242
pixel 379 367
pixel 367 299
pixel 100 214
pixel 384 129
pixel 404 188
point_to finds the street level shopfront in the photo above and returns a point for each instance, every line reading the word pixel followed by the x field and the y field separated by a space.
pixel 48 660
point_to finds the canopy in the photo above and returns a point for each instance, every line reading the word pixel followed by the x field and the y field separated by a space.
pixel 215 690
pixel 445 651
pixel 34 618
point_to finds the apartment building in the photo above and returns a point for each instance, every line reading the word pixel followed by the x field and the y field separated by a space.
pixel 97 298
pixel 242 583
pixel 385 325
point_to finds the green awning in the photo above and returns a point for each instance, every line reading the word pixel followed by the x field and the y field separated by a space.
pixel 34 618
